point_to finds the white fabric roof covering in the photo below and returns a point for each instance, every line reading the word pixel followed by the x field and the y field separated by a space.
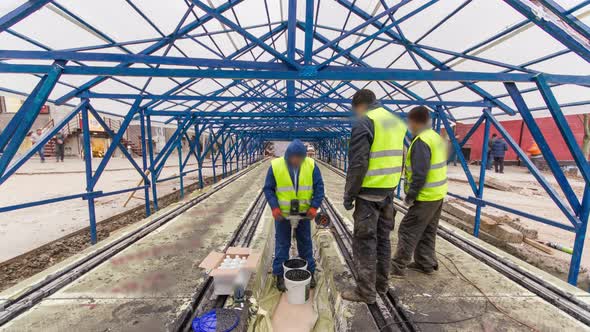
pixel 52 29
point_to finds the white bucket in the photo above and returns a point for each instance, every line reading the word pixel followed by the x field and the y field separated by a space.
pixel 297 283
pixel 294 263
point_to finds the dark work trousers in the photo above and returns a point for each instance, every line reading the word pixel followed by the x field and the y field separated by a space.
pixel 283 244
pixel 499 164
pixel 417 235
pixel 59 152
pixel 373 223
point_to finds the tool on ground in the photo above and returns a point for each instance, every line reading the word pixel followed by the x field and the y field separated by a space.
pixel 216 320
pixel 560 247
pixel 322 220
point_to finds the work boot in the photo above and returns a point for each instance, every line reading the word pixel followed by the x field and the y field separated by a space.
pixel 397 273
pixel 353 296
pixel 312 283
pixel 382 290
pixel 417 267
pixel 281 283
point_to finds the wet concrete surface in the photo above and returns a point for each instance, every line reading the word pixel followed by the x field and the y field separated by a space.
pixel 465 294
pixel 146 286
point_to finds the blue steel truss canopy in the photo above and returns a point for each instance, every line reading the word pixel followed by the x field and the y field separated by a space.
pixel 449 53
pixel 244 72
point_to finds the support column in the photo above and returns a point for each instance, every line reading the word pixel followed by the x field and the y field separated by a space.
pixel 180 168
pixel 199 156
pixel 482 175
pixel 88 171
pixel 146 190
pixel 153 172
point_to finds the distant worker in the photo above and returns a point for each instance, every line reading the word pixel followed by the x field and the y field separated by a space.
pixel 293 182
pixel 375 157
pixel 35 139
pixel 490 161
pixel 59 146
pixel 536 156
pixel 499 148
pixel 425 189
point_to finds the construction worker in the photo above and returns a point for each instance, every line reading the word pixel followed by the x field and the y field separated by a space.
pixel 375 164
pixel 425 188
pixel 293 180
pixel 499 148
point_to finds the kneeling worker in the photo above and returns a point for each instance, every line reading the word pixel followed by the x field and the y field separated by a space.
pixel 425 188
pixel 293 182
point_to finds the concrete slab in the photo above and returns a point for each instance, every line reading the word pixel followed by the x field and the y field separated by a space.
pixel 148 314
pixel 455 297
pixel 152 279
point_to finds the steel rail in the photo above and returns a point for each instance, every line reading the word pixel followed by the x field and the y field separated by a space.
pixel 559 298
pixel 13 307
pixel 243 236
pixel 387 312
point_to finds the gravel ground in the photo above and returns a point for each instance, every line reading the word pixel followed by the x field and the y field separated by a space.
pixel 30 263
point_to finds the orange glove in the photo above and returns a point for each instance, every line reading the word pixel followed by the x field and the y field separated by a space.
pixel 277 214
pixel 312 212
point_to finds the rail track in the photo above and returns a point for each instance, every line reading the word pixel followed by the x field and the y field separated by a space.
pixel 202 301
pixel 559 298
pixel 25 300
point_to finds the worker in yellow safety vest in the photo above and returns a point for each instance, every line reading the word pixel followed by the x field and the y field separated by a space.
pixel 293 188
pixel 375 156
pixel 425 188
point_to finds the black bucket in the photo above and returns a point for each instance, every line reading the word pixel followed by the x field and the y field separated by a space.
pixel 294 263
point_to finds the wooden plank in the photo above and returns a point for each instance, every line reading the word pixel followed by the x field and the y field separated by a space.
pixel 539 246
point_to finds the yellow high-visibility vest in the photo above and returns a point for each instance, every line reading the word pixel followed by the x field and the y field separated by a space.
pixel 286 191
pixel 436 185
pixel 387 150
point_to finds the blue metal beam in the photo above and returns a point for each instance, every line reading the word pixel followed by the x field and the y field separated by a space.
pixel 575 43
pixel 30 110
pixel 152 48
pixel 426 56
pixel 237 28
pixel 539 138
pixel 139 58
pixel 20 13
pixel 330 73
pixel 92 95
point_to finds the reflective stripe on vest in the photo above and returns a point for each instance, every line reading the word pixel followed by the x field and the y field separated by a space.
pixel 436 185
pixel 286 191
pixel 386 156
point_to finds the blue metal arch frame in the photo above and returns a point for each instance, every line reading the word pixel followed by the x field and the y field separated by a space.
pixel 298 93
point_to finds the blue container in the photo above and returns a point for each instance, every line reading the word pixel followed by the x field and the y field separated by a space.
pixel 209 322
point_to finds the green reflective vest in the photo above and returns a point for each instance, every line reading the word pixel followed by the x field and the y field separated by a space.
pixel 387 150
pixel 286 191
pixel 435 187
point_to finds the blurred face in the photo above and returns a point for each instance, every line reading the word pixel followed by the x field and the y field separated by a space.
pixel 295 161
pixel 39 131
pixel 414 127
pixel 360 110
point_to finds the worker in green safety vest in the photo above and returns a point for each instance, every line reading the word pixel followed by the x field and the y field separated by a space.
pixel 293 188
pixel 425 188
pixel 375 156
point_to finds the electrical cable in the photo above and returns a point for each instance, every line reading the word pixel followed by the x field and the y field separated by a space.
pixel 502 311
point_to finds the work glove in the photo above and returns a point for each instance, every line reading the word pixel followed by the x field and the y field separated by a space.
pixel 277 214
pixel 409 201
pixel 348 205
pixel 312 212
